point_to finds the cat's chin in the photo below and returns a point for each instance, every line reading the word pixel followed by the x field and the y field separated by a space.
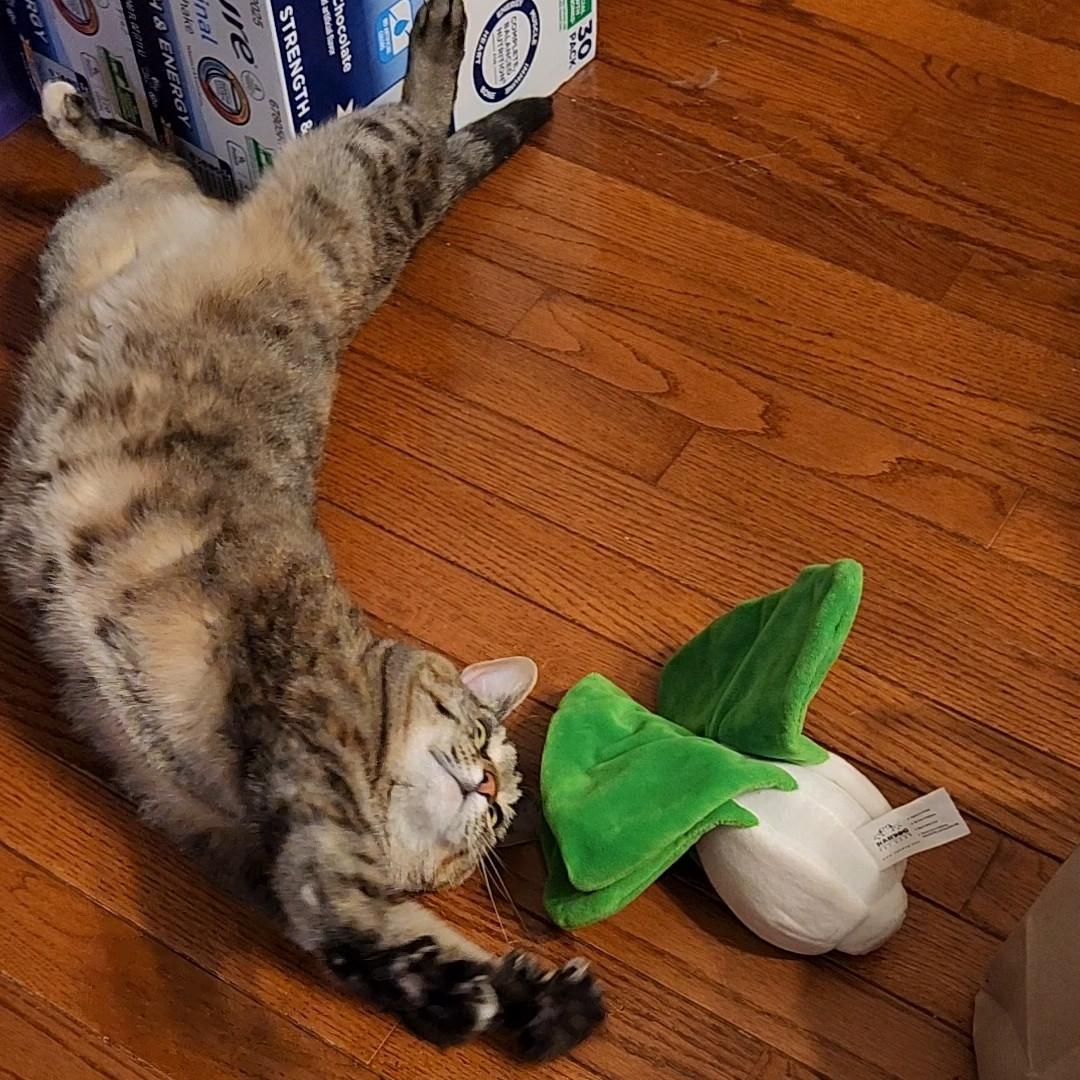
pixel 430 819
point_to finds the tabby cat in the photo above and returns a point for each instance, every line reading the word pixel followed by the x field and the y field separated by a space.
pixel 158 521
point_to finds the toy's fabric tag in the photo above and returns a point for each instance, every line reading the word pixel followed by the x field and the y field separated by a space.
pixel 920 825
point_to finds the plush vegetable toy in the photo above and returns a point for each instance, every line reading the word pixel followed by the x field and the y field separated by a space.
pixel 725 766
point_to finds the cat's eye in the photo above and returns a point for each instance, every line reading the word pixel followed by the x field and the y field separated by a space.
pixel 495 815
pixel 480 735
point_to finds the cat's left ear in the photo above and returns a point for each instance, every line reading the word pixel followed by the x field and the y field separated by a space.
pixel 502 685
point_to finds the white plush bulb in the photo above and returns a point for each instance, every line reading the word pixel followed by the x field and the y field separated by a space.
pixel 801 879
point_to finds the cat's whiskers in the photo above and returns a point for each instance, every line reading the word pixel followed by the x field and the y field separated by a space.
pixel 491 897
pixel 500 882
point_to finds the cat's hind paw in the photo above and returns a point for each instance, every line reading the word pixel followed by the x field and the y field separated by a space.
pixel 65 110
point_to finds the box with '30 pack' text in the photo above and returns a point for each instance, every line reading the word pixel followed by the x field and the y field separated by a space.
pixel 224 83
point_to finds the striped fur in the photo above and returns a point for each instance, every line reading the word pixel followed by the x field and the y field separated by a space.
pixel 158 522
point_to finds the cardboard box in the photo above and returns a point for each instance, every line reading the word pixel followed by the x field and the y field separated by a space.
pixel 225 82
pixel 88 45
pixel 1027 1016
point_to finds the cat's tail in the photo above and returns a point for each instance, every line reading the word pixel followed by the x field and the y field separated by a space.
pixel 485 144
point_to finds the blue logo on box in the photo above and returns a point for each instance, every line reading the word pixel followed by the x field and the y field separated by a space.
pixel 506 49
pixel 392 29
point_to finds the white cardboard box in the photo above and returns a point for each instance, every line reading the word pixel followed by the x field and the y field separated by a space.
pixel 225 82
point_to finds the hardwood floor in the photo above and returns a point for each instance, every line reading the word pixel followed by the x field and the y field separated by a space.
pixel 782 282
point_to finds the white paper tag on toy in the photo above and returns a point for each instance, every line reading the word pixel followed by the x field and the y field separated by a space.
pixel 920 825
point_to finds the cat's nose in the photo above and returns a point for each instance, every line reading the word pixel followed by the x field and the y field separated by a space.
pixel 489 786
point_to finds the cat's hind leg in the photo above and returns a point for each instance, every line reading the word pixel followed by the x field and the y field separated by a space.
pixel 69 117
pixel 152 200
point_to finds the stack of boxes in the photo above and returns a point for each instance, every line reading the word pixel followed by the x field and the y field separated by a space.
pixel 223 83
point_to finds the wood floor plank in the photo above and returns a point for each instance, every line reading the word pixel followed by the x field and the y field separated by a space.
pixel 1050 68
pixel 790 424
pixel 756 52
pixel 1012 882
pixel 712 154
pixel 1044 532
pixel 633 607
pixel 777 1066
pixel 756 59
pixel 599 419
pixel 124 986
pixel 1056 21
pixel 1033 298
pixel 95 845
pixel 497 298
pixel 869 349
pixel 781 178
pixel 40 1043
pixel 37 181
pixel 988 162
pixel 718 552
pixel 19 325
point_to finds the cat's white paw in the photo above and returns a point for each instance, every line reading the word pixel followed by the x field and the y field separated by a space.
pixel 58 99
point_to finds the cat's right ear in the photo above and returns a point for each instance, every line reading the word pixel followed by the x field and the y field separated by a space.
pixel 503 684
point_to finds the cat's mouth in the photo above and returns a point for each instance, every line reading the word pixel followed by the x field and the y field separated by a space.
pixel 467 786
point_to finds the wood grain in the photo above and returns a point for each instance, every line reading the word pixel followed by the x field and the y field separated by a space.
pixel 713 154
pixel 797 427
pixel 125 987
pixel 819 111
pixel 784 315
pixel 1055 22
pixel 1044 66
pixel 1044 533
pixel 595 418
pixel 496 297
pixel 41 1043
pixel 1012 882
pixel 782 282
pixel 1036 299
pixel 777 1066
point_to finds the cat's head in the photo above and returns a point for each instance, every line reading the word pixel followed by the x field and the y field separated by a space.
pixel 453 770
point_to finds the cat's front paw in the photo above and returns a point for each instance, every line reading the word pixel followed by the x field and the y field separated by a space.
pixel 442 1000
pixel 546 1013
